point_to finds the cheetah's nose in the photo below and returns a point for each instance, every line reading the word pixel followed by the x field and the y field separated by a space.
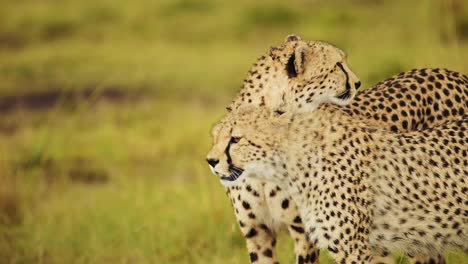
pixel 212 162
pixel 357 85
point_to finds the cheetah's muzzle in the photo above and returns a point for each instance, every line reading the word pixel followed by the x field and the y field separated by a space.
pixel 235 174
pixel 346 94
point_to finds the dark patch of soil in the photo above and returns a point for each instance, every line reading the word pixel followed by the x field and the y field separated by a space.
pixel 58 29
pixel 88 175
pixel 11 41
pixel 85 171
pixel 80 170
pixel 48 99
pixel 9 209
pixel 8 129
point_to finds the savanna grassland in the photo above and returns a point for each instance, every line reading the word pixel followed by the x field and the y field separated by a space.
pixel 106 107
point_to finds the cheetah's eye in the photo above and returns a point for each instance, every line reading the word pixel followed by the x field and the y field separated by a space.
pixel 235 140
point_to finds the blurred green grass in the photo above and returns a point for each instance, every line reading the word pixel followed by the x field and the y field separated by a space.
pixel 101 180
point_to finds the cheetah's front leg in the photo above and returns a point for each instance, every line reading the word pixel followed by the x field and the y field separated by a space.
pixel 251 209
pixel 261 244
pixel 284 208
pixel 355 252
pixel 305 251
pixel 346 240
pixel 335 221
pixel 423 259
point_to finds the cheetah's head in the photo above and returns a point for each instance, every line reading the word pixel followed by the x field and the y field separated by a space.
pixel 246 143
pixel 299 75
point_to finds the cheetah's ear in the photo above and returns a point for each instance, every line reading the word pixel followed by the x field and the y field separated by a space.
pixel 296 62
pixel 292 37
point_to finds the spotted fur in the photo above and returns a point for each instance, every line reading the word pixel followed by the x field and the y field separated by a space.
pixel 409 101
pixel 361 190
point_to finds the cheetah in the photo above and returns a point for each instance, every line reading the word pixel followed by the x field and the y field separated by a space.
pixel 408 101
pixel 361 190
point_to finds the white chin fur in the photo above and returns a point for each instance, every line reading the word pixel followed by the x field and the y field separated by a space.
pixel 254 171
pixel 260 172
pixel 341 102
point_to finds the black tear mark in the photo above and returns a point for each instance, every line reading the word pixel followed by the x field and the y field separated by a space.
pixel 226 151
pixel 348 86
pixel 290 67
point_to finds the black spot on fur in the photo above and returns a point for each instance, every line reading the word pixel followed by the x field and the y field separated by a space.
pixel 297 220
pixel 251 233
pixel 253 257
pixel 268 253
pixel 297 229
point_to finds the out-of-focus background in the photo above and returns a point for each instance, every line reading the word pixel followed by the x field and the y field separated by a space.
pixel 106 108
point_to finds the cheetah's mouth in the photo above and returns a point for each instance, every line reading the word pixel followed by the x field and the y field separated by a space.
pixel 235 174
pixel 346 94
